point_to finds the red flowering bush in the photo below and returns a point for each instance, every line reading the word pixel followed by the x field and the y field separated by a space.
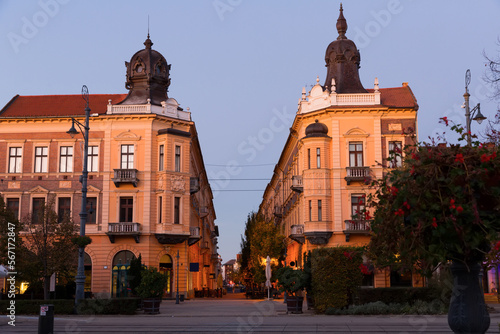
pixel 442 204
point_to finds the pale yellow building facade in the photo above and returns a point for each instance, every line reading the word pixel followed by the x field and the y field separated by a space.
pixel 339 141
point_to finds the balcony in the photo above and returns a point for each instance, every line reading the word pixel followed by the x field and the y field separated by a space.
pixel 194 235
pixel 361 227
pixel 297 233
pixel 297 183
pixel 125 176
pixel 203 211
pixel 204 247
pixel 358 174
pixel 194 185
pixel 171 238
pixel 123 229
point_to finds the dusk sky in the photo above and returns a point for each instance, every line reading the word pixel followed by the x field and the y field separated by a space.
pixel 240 66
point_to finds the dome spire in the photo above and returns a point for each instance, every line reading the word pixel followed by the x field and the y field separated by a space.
pixel 341 24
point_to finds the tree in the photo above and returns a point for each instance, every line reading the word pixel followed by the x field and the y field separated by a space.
pixel 9 229
pixel 48 247
pixel 134 274
pixel 442 205
pixel 262 238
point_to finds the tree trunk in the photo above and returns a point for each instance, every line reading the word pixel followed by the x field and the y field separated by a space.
pixel 467 312
pixel 46 287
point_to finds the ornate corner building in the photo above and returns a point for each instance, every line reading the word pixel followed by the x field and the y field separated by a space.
pixel 147 184
pixel 339 141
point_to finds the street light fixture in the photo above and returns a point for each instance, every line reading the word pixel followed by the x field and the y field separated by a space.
pixel 84 130
pixel 471 113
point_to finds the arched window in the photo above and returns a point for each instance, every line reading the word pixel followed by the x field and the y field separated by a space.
pixel 166 267
pixel 121 264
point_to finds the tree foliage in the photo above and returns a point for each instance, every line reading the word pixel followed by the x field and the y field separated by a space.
pixel 443 204
pixel 48 247
pixel 261 239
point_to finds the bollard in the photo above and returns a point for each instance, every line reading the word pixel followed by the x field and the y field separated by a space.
pixel 46 319
pixel 181 297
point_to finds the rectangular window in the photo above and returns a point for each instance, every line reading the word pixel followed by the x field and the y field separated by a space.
pixel 177 158
pixel 318 158
pixel 126 209
pixel 177 210
pixel 41 159
pixel 310 210
pixel 309 158
pixel 66 159
pixel 395 154
pixel 13 206
pixel 15 155
pixel 64 208
pixel 127 157
pixel 93 159
pixel 320 211
pixel 161 158
pixel 356 154
pixel 37 210
pixel 358 206
pixel 91 210
pixel 160 209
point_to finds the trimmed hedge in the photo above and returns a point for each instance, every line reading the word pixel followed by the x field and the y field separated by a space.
pixel 336 276
pixel 401 295
pixel 66 306
pixel 26 306
pixel 376 308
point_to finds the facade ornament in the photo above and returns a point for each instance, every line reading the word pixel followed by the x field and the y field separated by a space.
pixel 376 85
pixel 334 88
pixel 178 183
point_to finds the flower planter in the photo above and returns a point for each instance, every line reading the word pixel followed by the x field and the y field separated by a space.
pixel 151 305
pixel 294 304
pixel 467 312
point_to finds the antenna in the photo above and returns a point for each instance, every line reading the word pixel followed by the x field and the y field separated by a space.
pixel 148 25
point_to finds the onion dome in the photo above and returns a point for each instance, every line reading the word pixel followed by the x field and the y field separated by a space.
pixel 316 129
pixel 148 77
pixel 342 61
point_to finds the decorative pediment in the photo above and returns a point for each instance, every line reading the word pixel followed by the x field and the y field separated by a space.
pixel 92 189
pixel 356 132
pixel 39 189
pixel 128 135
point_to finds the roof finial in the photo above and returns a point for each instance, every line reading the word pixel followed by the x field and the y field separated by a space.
pixel 148 42
pixel 341 24
pixel 148 25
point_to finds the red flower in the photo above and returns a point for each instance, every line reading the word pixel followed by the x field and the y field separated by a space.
pixel 393 190
pixel 445 120
pixel 367 215
pixel 406 205
pixel 364 269
pixel 412 171
pixel 399 212
pixel 348 255
pixel 434 222
pixel 460 209
pixel 485 158
pixel 497 246
pixel 459 158
pixel 452 203
pixel 415 156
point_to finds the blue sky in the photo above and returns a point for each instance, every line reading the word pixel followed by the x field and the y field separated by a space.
pixel 240 66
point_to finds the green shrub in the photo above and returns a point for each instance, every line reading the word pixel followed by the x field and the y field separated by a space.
pixel 336 276
pixel 27 306
pixel 400 295
pixel 377 308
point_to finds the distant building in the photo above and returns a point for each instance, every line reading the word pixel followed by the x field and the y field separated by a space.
pixel 147 183
pixel 230 268
pixel 339 141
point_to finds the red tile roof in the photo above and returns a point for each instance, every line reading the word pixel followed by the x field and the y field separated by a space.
pixel 399 97
pixel 57 105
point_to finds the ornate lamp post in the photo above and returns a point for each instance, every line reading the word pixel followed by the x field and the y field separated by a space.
pixel 471 113
pixel 84 129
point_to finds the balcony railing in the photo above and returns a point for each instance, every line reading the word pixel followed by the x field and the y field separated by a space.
pixel 123 229
pixel 297 233
pixel 125 176
pixel 297 183
pixel 194 235
pixel 355 226
pixel 361 174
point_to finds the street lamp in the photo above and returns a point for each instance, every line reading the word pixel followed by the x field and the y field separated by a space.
pixel 177 281
pixel 471 113
pixel 84 129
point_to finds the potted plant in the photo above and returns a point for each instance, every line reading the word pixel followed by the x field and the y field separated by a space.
pixel 442 205
pixel 151 289
pixel 292 281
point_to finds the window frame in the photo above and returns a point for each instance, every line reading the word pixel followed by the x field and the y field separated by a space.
pixel 161 158
pixel 38 208
pixel 41 160
pixel 128 155
pixel 177 210
pixel 9 207
pixel 357 206
pixel 91 216
pixel 356 154
pixel 63 208
pixel 320 210
pixel 93 159
pixel 18 160
pixel 318 157
pixel 397 159
pixel 66 159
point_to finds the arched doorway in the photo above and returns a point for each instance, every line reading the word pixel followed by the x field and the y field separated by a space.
pixel 121 264
pixel 87 264
pixel 167 269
